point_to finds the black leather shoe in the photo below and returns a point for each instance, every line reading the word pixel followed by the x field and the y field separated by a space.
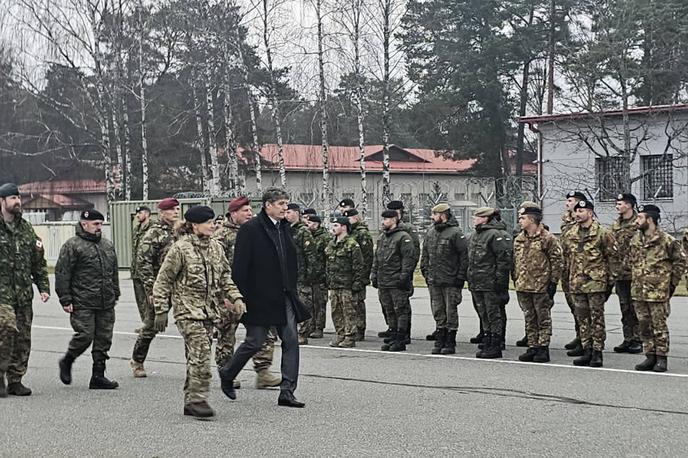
pixel 285 401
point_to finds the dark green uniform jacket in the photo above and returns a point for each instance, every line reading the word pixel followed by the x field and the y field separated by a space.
pixel 445 255
pixel 394 260
pixel 362 235
pixel 489 258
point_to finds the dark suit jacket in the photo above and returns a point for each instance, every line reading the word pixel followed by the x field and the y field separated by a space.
pixel 264 281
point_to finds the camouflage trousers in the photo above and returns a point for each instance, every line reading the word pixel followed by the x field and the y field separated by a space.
pixel 198 337
pixel 397 308
pixel 146 334
pixel 15 340
pixel 360 309
pixel 92 327
pixel 319 306
pixel 652 318
pixel 537 313
pixel 306 296
pixel 444 302
pixel 590 314
pixel 629 320
pixel 569 301
pixel 344 317
pixel 491 312
pixel 226 341
pixel 140 297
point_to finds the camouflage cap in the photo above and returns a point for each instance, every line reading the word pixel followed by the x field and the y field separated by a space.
pixel 484 211
pixel 441 208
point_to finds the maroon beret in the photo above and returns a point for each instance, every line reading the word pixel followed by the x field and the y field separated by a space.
pixel 168 204
pixel 237 203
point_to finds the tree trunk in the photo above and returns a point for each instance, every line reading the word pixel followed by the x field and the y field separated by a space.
pixel 325 196
pixel 199 141
pixel 386 12
pixel 356 7
pixel 255 146
pixel 230 139
pixel 212 139
pixel 142 101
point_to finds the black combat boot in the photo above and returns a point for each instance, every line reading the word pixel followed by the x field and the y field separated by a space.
pixel 199 410
pixel 433 336
pixel 542 355
pixel 390 339
pixel 449 347
pixel 596 358
pixel 528 355
pixel 623 348
pixel 98 379
pixel 386 333
pixel 576 351
pixel 388 342
pixel 585 358
pixel 66 368
pixel 635 347
pixel 661 364
pixel 494 349
pixel 18 389
pixel 523 342
pixel 575 343
pixel 3 388
pixel 478 339
pixel 648 364
pixel 400 343
pixel 487 338
pixel 439 341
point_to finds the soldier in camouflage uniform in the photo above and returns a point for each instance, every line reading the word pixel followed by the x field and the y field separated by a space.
pixel 240 212
pixel 195 280
pixel 398 206
pixel 489 264
pixel 525 204
pixel 149 257
pixel 360 232
pixel 392 275
pixel 87 283
pixel 306 255
pixel 141 226
pixel 22 264
pixel 344 280
pixel 538 262
pixel 319 286
pixel 591 252
pixel 623 230
pixel 568 222
pixel 444 262
pixel 658 262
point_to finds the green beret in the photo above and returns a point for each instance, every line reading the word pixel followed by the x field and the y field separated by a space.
pixel 9 189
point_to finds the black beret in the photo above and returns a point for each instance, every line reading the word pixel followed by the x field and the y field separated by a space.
pixel 293 206
pixel 199 214
pixel 585 204
pixel 9 189
pixel 346 202
pixel 344 221
pixel 627 197
pixel 92 215
pixel 390 214
pixel 395 205
pixel 143 208
pixel 310 211
pixel 530 211
pixel 649 208
pixel 351 212
pixel 314 218
pixel 576 195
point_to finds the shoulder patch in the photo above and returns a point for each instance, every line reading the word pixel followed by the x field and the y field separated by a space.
pixel 307 243
pixel 39 244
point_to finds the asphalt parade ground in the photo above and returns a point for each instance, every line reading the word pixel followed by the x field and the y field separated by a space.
pixel 360 401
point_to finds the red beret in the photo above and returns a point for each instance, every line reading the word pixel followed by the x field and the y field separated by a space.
pixel 236 204
pixel 168 204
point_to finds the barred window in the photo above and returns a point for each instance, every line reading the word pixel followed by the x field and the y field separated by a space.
pixel 459 196
pixel 658 176
pixel 609 177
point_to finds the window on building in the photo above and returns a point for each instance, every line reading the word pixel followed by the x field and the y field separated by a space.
pixel 608 177
pixel 459 196
pixel 658 176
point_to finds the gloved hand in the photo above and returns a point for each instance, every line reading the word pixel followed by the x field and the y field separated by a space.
pixel 374 282
pixel 608 293
pixel 160 323
pixel 551 289
pixel 672 290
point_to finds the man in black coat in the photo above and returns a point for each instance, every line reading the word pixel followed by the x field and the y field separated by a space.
pixel 264 269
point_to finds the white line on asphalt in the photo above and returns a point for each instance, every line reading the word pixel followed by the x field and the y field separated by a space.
pixel 424 355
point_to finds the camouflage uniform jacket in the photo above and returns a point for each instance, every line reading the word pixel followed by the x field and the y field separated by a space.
pixel 394 260
pixel 344 264
pixel 322 239
pixel 538 260
pixel 413 233
pixel 86 273
pixel 152 250
pixel 137 234
pixel 568 222
pixel 590 255
pixel 306 253
pixel 489 257
pixel 22 263
pixel 362 235
pixel 226 236
pixel 656 264
pixel 194 279
pixel 444 261
pixel 623 232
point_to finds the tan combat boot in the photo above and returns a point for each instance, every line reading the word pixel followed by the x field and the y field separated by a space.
pixel 137 369
pixel 266 379
pixel 347 343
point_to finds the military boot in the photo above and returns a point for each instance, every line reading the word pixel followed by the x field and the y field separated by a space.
pixel 523 342
pixel 493 350
pixel 648 364
pixel 441 336
pixel 18 389
pixel 390 339
pixel 575 343
pixel 432 336
pixel 266 379
pixel 3 388
pixel 137 369
pixel 386 333
pixel 487 338
pixel 596 358
pixel 542 355
pixel 317 334
pixel 400 343
pixel 449 347
pixel 584 359
pixel 478 338
pixel 661 364
pixel 528 355
pixel 388 343
pixel 199 410
pixel 98 379
pixel 576 351
pixel 66 369
pixel 347 342
pixel 623 348
pixel 635 347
